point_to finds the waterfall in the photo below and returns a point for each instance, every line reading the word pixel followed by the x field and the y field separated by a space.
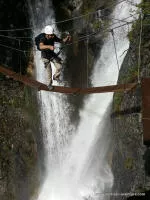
pixel 76 157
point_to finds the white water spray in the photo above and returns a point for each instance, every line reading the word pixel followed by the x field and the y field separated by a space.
pixel 76 162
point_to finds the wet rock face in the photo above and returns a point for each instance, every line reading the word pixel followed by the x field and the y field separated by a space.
pixel 74 4
pixel 18 149
pixel 17 145
pixel 130 166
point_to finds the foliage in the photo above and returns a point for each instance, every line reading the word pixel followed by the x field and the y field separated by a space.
pixel 129 163
pixel 135 26
pixel 118 97
pixel 145 6
pixel 97 24
pixel 130 76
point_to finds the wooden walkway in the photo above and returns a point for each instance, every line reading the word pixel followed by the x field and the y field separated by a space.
pixel 40 86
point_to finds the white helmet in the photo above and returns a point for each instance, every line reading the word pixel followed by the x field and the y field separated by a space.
pixel 48 30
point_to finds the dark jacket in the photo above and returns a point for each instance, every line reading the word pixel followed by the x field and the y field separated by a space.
pixel 48 54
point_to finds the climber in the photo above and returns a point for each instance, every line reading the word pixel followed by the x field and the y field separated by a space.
pixel 46 46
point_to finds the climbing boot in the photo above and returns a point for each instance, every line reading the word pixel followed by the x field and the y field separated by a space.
pixel 50 87
pixel 57 79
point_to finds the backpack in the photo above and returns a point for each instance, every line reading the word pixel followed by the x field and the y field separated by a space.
pixel 38 38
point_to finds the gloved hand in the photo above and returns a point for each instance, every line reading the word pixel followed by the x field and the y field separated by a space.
pixel 67 37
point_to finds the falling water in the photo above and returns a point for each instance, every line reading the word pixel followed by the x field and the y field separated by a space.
pixel 76 158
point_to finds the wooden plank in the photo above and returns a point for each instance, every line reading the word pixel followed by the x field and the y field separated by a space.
pixel 103 89
pixel 40 86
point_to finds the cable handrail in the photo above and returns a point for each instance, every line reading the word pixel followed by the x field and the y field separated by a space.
pixel 81 38
pixel 62 21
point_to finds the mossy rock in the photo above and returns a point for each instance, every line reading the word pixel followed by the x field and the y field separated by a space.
pixel 129 163
pixel 118 97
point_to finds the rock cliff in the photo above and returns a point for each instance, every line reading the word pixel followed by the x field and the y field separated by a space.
pixel 128 158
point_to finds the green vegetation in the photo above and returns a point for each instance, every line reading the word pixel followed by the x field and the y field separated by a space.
pixel 130 76
pixel 97 25
pixel 136 29
pixel 145 6
pixel 129 163
pixel 86 10
pixel 91 7
pixel 135 26
pixel 118 97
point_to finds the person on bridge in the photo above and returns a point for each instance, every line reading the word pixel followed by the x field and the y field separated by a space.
pixel 46 45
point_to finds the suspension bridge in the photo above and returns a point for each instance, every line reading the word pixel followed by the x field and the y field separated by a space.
pixel 144 83
pixel 103 89
pixel 67 90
